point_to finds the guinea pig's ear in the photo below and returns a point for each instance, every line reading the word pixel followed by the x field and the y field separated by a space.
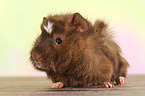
pixel 78 22
pixel 43 23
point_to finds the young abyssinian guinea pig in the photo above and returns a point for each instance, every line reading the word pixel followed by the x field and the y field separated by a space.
pixel 75 53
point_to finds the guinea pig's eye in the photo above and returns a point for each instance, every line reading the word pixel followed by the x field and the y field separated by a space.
pixel 58 41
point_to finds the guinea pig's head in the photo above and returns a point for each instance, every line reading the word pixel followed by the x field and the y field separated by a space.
pixel 59 41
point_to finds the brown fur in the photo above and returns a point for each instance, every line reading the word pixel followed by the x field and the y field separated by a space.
pixel 87 56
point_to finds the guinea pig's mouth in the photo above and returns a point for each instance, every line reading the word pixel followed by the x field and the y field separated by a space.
pixel 36 64
pixel 39 67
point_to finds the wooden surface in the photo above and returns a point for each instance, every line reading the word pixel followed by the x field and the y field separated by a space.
pixel 40 86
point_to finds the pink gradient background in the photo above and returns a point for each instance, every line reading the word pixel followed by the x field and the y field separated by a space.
pixel 20 24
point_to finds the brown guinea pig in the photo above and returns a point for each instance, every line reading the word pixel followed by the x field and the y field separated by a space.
pixel 75 53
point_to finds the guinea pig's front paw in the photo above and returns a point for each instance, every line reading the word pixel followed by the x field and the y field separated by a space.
pixel 108 84
pixel 120 80
pixel 57 85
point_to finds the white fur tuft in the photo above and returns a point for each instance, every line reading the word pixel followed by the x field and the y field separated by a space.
pixel 48 27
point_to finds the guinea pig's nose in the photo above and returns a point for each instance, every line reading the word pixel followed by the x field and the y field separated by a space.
pixel 35 55
pixel 37 58
pixel 37 61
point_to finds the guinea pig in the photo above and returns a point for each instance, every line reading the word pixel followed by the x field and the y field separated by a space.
pixel 76 53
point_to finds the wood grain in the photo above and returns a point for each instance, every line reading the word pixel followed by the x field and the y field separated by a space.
pixel 37 86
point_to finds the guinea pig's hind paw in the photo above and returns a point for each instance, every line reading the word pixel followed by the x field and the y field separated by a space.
pixel 57 85
pixel 121 80
pixel 108 84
